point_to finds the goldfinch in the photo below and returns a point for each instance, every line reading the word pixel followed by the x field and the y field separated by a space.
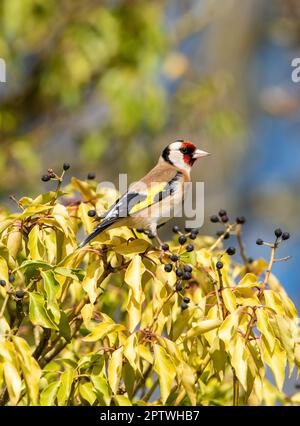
pixel 152 201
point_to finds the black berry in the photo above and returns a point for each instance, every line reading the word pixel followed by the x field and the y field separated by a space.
pixel 259 242
pixel 219 233
pixel 222 212
pixel 182 239
pixel 92 213
pixel 226 236
pixel 193 236
pixel 225 219
pixel 186 300
pixel 219 265
pixel 91 176
pixel 278 232
pixel 175 229
pixel 174 257
pixel 214 219
pixel 179 272
pixel 189 247
pixel 241 220
pixel 187 276
pixel 187 229
pixel 250 260
pixel 20 294
pixel 285 236
pixel 2 283
pixel 45 178
pixel 179 287
pixel 231 251
pixel 165 247
pixel 168 267
pixel 66 166
pixel 184 306
pixel 187 268
pixel 195 231
pixel 11 278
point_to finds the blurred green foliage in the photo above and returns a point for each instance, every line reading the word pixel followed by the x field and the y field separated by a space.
pixel 75 55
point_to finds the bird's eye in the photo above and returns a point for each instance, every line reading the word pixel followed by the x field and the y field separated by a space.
pixel 184 150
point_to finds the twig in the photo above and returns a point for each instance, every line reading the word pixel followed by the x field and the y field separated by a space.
pixel 242 247
pixel 221 238
pixel 4 305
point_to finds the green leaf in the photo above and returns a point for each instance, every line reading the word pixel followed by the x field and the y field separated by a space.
pixel 115 369
pixel 49 393
pixel 38 314
pixel 132 247
pixel 122 400
pixel 93 273
pixel 30 368
pixel 202 327
pixel 130 351
pixel 263 325
pixel 101 386
pixel 229 327
pixel 101 330
pixel 66 380
pixel 52 288
pixel 64 326
pixel 165 371
pixel 70 273
pixel 13 381
pixel 87 392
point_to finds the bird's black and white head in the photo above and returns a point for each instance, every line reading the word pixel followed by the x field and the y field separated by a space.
pixel 182 154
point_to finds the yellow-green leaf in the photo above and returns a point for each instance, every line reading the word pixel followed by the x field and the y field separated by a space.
pixel 115 369
pixel 38 314
pixel 165 371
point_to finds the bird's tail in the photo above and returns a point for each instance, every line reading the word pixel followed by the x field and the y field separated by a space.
pixel 100 228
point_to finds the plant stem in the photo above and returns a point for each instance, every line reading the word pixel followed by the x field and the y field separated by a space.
pixel 151 390
pixel 242 247
pixel 221 238
pixel 4 305
pixel 236 389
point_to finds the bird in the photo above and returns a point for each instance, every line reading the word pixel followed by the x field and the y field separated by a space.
pixel 153 200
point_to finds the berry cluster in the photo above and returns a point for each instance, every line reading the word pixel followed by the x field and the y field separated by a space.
pixel 280 236
pixel 51 175
pixel 183 271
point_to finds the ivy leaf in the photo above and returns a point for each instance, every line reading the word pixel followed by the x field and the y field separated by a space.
pixel 122 400
pixel 30 368
pixel 115 369
pixel 66 380
pixel 101 330
pixel 130 351
pixel 132 247
pixel 133 277
pixel 263 325
pixel 86 391
pixel 101 387
pixel 49 393
pixel 52 288
pixel 165 371
pixel 38 314
pixel 64 326
pixel 13 381
pixel 93 273
pixel 203 327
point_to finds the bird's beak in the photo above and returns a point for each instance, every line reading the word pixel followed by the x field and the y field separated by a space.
pixel 199 153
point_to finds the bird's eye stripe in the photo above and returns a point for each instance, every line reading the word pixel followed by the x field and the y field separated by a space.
pixel 187 150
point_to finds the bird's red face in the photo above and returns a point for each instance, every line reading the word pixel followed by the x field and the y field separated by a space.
pixel 182 154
